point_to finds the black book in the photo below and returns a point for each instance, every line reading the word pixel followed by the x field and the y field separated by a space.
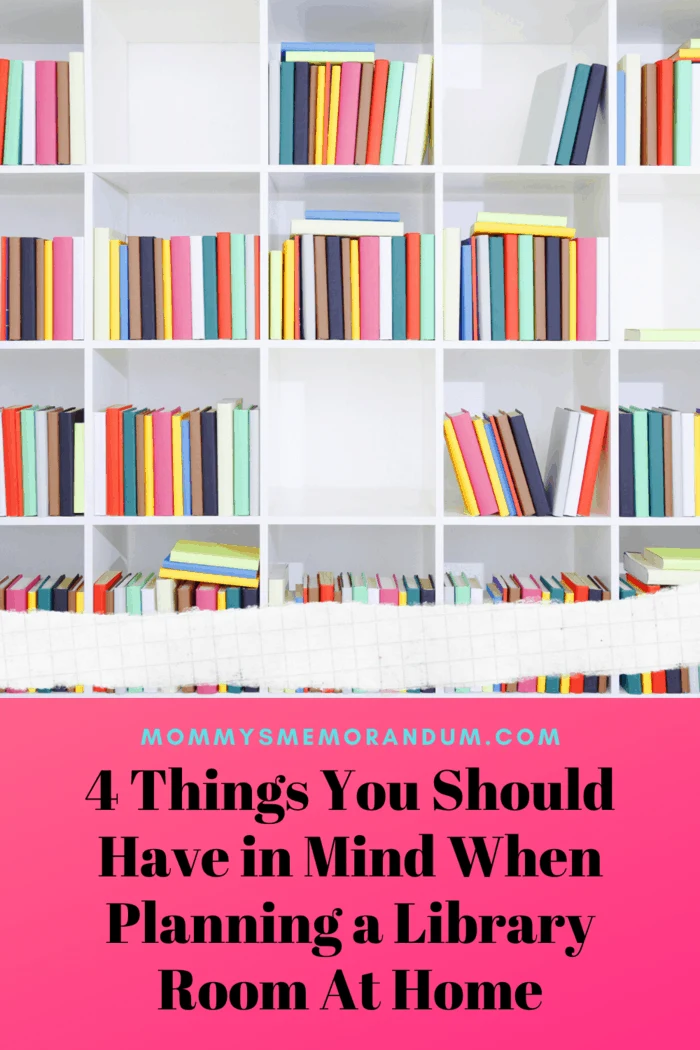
pixel 302 73
pixel 60 596
pixel 251 597
pixel 552 271
pixel 626 468
pixel 28 287
pixel 590 683
pixel 250 689
pixel 54 592
pixel 591 101
pixel 334 279
pixel 673 680
pixel 148 288
pixel 521 436
pixel 210 492
pixel 66 458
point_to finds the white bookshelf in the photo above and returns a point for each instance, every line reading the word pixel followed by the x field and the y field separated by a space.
pixel 354 474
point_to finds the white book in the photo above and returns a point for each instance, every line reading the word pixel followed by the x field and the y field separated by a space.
pixel 420 111
pixel 385 307
pixel 372 589
pixel 224 454
pixel 308 285
pixel 346 228
pixel 99 475
pixel 449 590
pixel 3 504
pixel 560 457
pixel 250 286
pixel 476 591
pixel 578 464
pixel 694 677
pixel 688 463
pixel 103 235
pixel 636 565
pixel 148 597
pixel 277 584
pixel 545 121
pixel 197 279
pixel 451 267
pixel 483 284
pixel 346 587
pixel 29 113
pixel 254 454
pixel 602 288
pixel 695 114
pixel 41 430
pixel 76 99
pixel 405 106
pixel 78 287
pixel 120 593
pixel 632 66
pixel 165 596
pixel 274 114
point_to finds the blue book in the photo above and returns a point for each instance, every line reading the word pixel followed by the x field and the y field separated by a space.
pixel 573 113
pixel 354 216
pixel 324 45
pixel 465 293
pixel 494 592
pixel 287 113
pixel 500 468
pixel 123 292
pixel 129 444
pixel 210 570
pixel 621 109
pixel 497 687
pixel 186 469
pixel 594 92
pixel 498 288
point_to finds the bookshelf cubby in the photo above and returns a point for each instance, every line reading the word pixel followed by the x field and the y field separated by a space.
pixel 354 474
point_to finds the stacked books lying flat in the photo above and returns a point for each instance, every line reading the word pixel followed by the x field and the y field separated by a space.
pixel 41 288
pixel 217 565
pixel 48 593
pixel 497 470
pixel 659 463
pixel 169 462
pixel 334 103
pixel 42 111
pixel 41 461
pixel 562 115
pixel 524 277
pixel 658 567
pixel 658 118
pixel 353 275
pixel 176 288
pixel 368 588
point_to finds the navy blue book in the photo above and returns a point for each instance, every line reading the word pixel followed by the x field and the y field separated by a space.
pixel 210 492
pixel 301 113
pixel 66 458
pixel 591 101
pixel 626 470
pixel 521 436
pixel 54 592
pixel 251 597
pixel 552 272
pixel 148 288
pixel 590 683
pixel 673 680
pixel 398 287
pixel 334 276
pixel 60 596
pixel 28 287
pixel 498 288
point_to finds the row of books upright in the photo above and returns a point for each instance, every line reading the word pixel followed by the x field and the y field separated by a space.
pixel 41 288
pixel 41 461
pixel 64 593
pixel 524 277
pixel 42 111
pixel 199 287
pixel 565 103
pixel 335 103
pixel 658 108
pixel 659 472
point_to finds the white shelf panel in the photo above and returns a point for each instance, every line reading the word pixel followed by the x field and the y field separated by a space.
pixel 7 346
pixel 465 521
pixel 175 344
pixel 353 344
pixel 154 521
pixel 525 345
pixel 76 522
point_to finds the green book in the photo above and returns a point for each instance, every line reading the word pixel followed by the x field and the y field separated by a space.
pixel 238 284
pixel 13 114
pixel 398 287
pixel 656 464
pixel 205 552
pixel 412 590
pixel 79 468
pixel 552 684
pixel 28 439
pixel 391 113
pixel 211 309
pixel 135 689
pixel 463 591
pixel 687 558
pixel 427 285
pixel 233 597
pixel 241 462
pixel 573 114
pixel 129 445
pixel 682 106
pixel 276 294
pixel 359 587
pixel 133 594
pixel 45 594
pixel 640 438
pixel 518 219
pixel 526 286
pixel 498 288
pixel 287 112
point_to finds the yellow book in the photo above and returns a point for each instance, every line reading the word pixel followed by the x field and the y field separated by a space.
pixel 536 231
pixel 646 682
pixel 148 464
pixel 696 421
pixel 167 291
pixel 355 289
pixel 288 290
pixel 208 577
pixel 220 600
pixel 402 597
pixel 320 114
pixel 333 114
pixel 546 595
pixel 178 496
pixel 31 600
pixel 565 684
pixel 222 687
pixel 31 690
pixel 460 469
pixel 686 52
pixel 568 593
pixel 48 289
pixel 80 688
pixel 490 464
pixel 541 683
pixel 572 290
pixel 80 601
pixel 487 689
pixel 114 289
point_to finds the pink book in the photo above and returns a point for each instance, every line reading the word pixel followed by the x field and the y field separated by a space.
pixel 163 461
pixel 63 287
pixel 347 112
pixel 207 689
pixel 586 248
pixel 182 287
pixel 527 685
pixel 474 462
pixel 369 288
pixel 46 114
pixel 388 590
pixel 529 591
pixel 206 596
pixel 16 594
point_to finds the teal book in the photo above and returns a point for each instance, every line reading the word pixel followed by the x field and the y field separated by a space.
pixel 640 434
pixel 241 462
pixel 129 444
pixel 13 114
pixel 656 464
pixel 553 585
pixel 573 114
pixel 412 590
pixel 682 107
pixel 526 286
pixel 427 285
pixel 552 684
pixel 133 594
pixel 237 688
pixel 498 288
pixel 211 309
pixel 45 594
pixel 631 683
pixel 391 113
pixel 233 597
pixel 286 112
pixel 28 441
pixel 398 287
pixel 238 285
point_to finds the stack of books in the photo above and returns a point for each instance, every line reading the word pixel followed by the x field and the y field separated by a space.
pixel 657 120
pixel 369 588
pixel 334 103
pixel 524 277
pixel 41 288
pixel 353 275
pixel 42 111
pixel 215 565
pixel 169 462
pixel 659 463
pixel 497 471
pixel 562 115
pixel 176 288
pixel 41 461
pixel 49 593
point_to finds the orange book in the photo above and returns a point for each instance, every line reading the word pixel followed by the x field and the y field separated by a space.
pixel 648 588
pixel 297 287
pixel 511 486
pixel 510 253
pixel 12 454
pixel 658 681
pixel 3 289
pixel 475 311
pixel 576 683
pixel 115 458
pixel 580 591
pixel 326 113
pixel 325 587
pixel 100 588
pixel 412 281
pixel 257 285
pixel 376 114
pixel 595 449
pixel 4 77
pixel 223 284
pixel 664 111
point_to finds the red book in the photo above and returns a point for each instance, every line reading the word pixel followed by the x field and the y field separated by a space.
pixel 3 288
pixel 648 588
pixel 4 77
pixel 326 114
pixel 511 486
pixel 658 681
pixel 412 281
pixel 576 683
pixel 580 591
pixel 376 115
pixel 475 309
pixel 664 111
pixel 223 284
pixel 510 253
pixel 115 458
pixel 325 590
pixel 297 287
pixel 257 286
pixel 9 452
pixel 595 448
pixel 100 588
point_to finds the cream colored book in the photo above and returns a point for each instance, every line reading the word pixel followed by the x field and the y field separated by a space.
pixel 662 335
pixel 346 228
pixel 103 235
pixel 275 295
pixel 516 219
pixel 420 111
pixel 76 96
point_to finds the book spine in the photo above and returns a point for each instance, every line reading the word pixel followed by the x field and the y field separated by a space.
pixel 573 114
pixel 286 147
pixel 76 91
pixel 254 459
pixel 181 295
pixel 250 285
pixel 197 285
pixel 483 286
pixel 326 114
pixel 66 438
pixel 355 288
pixel 526 287
pixel 4 78
pixel 114 297
pixel 347 115
pixel 46 113
pixel 186 468
pixel 404 121
pixel 420 111
pixel 211 324
pixel 465 291
pixel 288 290
pixel 178 491
pixel 510 267
pixel 363 112
pixel 391 113
pixel 62 114
pixel 313 105
pixel 591 101
pixel 427 286
pixel 42 463
pixel 376 113
pixel 148 295
pixel 586 288
pixel 63 288
pixel 385 288
pixel 602 287
pixel 223 284
pixel 238 286
pixel 333 114
pixel 335 287
pixel 682 117
pixel 497 288
pixel 28 450
pixel 552 249
pixel 320 114
pixel 275 280
pixel 626 467
pixel 256 278
pixel 29 113
pixel 163 463
pixel 209 488
pixel 413 286
pixel 241 462
pixel 300 124
pixel 664 106
pixel 369 288
pixel 167 290
pixel 129 445
pixel 12 153
pixel 347 291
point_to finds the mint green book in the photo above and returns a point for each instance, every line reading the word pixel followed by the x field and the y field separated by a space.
pixel 682 105
pixel 573 114
pixel 133 594
pixel 526 286
pixel 241 462
pixel 28 439
pixel 276 294
pixel 359 587
pixel 79 468
pixel 238 284
pixel 463 591
pixel 13 114
pixel 391 113
pixel 427 285
pixel 640 437
pixel 211 306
